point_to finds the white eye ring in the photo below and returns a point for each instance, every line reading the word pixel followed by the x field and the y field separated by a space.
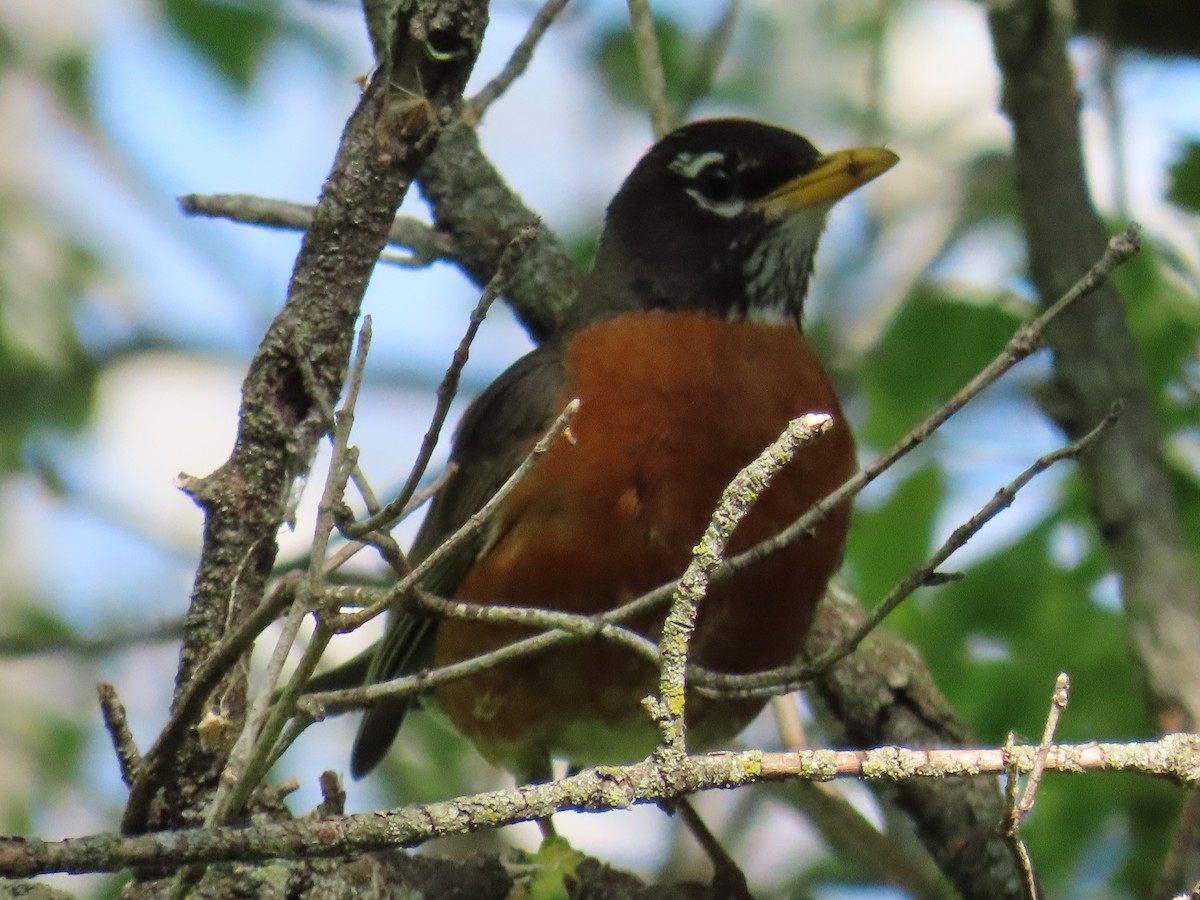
pixel 716 182
pixel 692 167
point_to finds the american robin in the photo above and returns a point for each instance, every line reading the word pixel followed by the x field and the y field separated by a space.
pixel 687 355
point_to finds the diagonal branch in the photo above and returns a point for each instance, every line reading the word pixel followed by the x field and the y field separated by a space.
pixel 280 422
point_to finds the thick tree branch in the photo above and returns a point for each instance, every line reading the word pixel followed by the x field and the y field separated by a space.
pixel 280 422
pixel 472 203
pixel 884 694
pixel 1096 361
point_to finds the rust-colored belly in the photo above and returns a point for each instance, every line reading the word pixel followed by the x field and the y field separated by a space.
pixel 673 406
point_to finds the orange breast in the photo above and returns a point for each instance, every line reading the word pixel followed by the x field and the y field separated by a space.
pixel 672 407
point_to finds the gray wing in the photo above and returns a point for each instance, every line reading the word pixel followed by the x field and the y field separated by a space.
pixel 494 437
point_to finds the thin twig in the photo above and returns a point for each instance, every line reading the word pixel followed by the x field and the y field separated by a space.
pixel 248 760
pixel 581 626
pixel 448 388
pixel 205 678
pixel 1012 771
pixel 737 499
pixel 382 541
pixel 1062 695
pixel 359 479
pixel 1019 809
pixel 474 108
pixel 473 526
pixel 712 52
pixel 650 67
pixel 426 245
pixel 768 683
pixel 117 724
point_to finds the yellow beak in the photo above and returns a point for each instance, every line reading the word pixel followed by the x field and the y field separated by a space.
pixel 835 176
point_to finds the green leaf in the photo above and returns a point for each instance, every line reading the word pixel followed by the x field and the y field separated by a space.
pixel 232 36
pixel 58 744
pixel 1165 321
pixel 989 191
pixel 69 74
pixel 1185 179
pixel 887 541
pixel 933 345
pixel 615 61
pixel 47 378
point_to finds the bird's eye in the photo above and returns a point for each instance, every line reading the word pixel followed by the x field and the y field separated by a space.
pixel 716 182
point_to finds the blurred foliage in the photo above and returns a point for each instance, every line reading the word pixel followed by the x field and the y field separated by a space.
pixel 1156 26
pixel 684 55
pixel 887 540
pixel 906 378
pixel 1185 179
pixel 231 36
pixel 46 377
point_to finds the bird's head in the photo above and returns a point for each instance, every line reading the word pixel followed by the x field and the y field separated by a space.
pixel 723 216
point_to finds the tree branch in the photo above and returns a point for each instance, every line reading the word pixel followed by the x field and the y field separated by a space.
pixel 245 501
pixel 1096 361
pixel 1174 757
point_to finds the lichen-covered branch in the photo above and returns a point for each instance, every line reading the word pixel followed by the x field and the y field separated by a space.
pixel 1175 757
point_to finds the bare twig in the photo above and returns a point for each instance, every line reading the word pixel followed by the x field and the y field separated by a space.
pixel 1175 757
pixel 470 528
pixel 474 108
pixel 1019 809
pixel 650 67
pixel 449 386
pixel 250 758
pixel 424 243
pixel 1062 695
pixel 737 499
pixel 381 540
pixel 790 677
pixel 113 711
pixel 207 675
pixel 581 626
pixel 1029 884
pixel 712 51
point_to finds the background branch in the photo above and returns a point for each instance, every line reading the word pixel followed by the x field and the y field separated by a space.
pixel 1096 361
